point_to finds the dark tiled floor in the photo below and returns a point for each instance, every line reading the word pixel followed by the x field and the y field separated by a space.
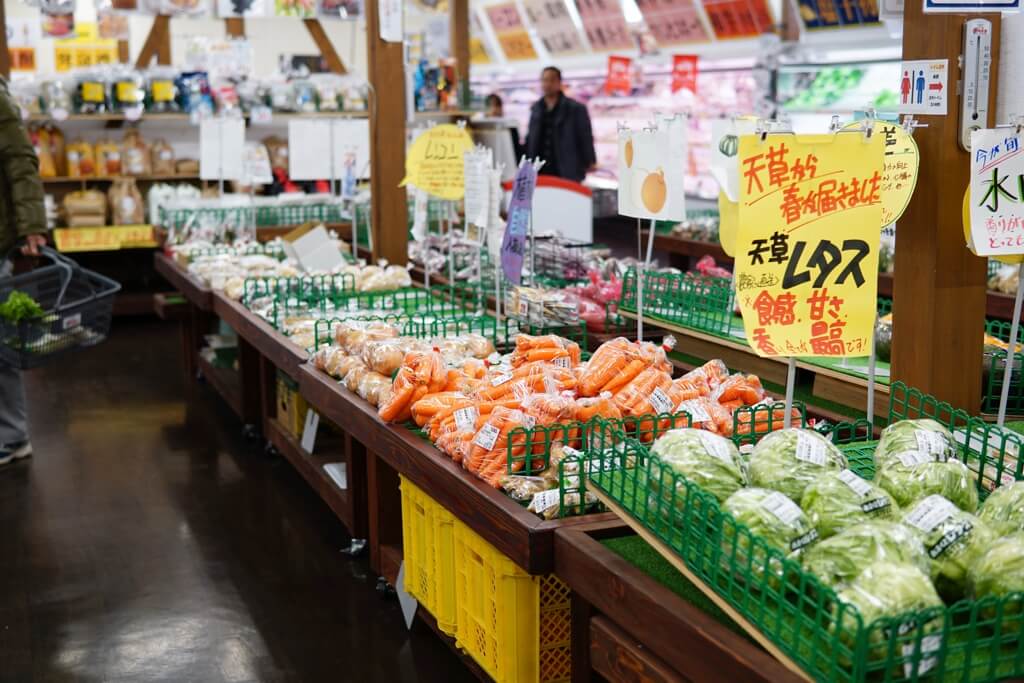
pixel 147 540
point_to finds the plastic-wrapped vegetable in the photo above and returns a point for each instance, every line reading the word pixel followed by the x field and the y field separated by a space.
pixel 1000 571
pixel 489 454
pixel 420 374
pixel 838 560
pixel 708 460
pixel 838 500
pixel 889 590
pixel 775 518
pixel 924 436
pixel 910 483
pixel 1003 510
pixel 791 459
pixel 954 539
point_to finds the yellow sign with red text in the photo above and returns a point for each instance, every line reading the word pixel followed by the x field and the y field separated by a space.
pixel 109 238
pixel 807 247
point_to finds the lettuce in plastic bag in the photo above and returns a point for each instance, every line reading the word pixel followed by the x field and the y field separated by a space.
pixel 708 460
pixel 891 590
pixel 1003 510
pixel 999 570
pixel 910 483
pixel 839 500
pixel 790 459
pixel 953 539
pixel 839 560
pixel 925 436
pixel 774 517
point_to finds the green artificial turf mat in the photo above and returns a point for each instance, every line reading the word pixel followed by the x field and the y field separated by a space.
pixel 644 557
pixel 1015 427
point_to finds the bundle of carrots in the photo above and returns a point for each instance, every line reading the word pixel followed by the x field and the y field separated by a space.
pixel 421 373
pixel 549 348
pixel 617 363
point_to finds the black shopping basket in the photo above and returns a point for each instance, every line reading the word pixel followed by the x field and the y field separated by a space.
pixel 77 305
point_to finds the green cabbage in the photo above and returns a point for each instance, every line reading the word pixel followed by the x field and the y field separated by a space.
pixel 708 460
pixel 909 484
pixel 954 539
pixel 838 500
pixel 837 561
pixel 790 459
pixel 888 590
pixel 999 570
pixel 774 517
pixel 1003 510
pixel 925 436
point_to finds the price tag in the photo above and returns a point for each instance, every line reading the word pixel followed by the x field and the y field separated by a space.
pixel 501 379
pixel 785 510
pixel 261 116
pixel 716 446
pixel 856 484
pixel 487 437
pixel 465 418
pixel 930 513
pixel 929 644
pixel 695 409
pixel 932 443
pixel 911 458
pixel 544 501
pixel 809 449
pixel 563 362
pixel 659 401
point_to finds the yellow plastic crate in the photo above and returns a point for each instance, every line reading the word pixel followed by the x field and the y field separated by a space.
pixel 429 554
pixel 516 626
pixel 291 406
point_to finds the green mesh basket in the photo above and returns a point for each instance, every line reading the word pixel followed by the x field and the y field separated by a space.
pixel 993 368
pixel 264 216
pixel 978 640
pixel 703 303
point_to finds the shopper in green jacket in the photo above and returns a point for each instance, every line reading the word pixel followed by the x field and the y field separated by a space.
pixel 22 218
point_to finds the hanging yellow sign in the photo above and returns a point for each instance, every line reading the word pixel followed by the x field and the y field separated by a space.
pixel 435 162
pixel 899 176
pixel 807 245
pixel 109 238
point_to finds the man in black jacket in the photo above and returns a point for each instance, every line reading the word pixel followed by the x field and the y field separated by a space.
pixel 560 131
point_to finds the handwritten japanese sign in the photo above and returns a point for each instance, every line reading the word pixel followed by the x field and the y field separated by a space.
pixel 899 176
pixel 435 161
pixel 807 246
pixel 738 18
pixel 997 192
pixel 673 22
pixel 511 32
pixel 605 25
pixel 513 244
pixel 554 26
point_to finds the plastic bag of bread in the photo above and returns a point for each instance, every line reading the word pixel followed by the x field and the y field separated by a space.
pixel 386 279
pixel 108 158
pixel 341 363
pixel 126 203
pixel 162 158
pixel 134 154
pixel 81 160
pixel 278 151
pixel 58 149
pixel 385 355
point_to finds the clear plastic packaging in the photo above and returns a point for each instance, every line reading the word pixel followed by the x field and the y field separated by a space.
pixel 910 483
pixel 924 436
pixel 91 93
pixel 162 158
pixel 127 90
pixel 839 500
pixel 135 158
pixel 108 157
pixel 999 571
pixel 790 460
pixel 385 355
pixel 373 387
pixel 162 91
pixel 773 516
pixel 837 561
pixel 1003 510
pixel 708 460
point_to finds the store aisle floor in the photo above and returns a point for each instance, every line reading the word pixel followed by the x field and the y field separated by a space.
pixel 147 540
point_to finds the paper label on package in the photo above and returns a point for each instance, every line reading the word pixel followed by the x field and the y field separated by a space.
pixel 501 379
pixel 856 484
pixel 911 458
pixel 659 401
pixel 929 644
pixel 809 449
pixel 465 418
pixel 696 410
pixel 715 447
pixel 932 443
pixel 487 437
pixel 930 513
pixel 782 507
pixel 571 452
pixel 563 362
pixel 544 500
pixel 529 421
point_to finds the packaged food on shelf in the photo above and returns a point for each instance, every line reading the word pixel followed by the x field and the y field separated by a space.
pixel 81 159
pixel 91 92
pixel 161 157
pixel 135 154
pixel 128 89
pixel 126 203
pixel 108 157
pixel 161 90
pixel 84 208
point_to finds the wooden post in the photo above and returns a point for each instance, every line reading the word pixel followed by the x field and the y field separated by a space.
pixel 124 54
pixel 458 17
pixel 235 27
pixel 939 289
pixel 388 212
pixel 158 43
pixel 5 56
pixel 323 43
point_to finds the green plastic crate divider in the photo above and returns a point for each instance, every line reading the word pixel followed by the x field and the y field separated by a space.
pixel 993 367
pixel 703 303
pixel 979 640
pixel 750 423
pixel 265 216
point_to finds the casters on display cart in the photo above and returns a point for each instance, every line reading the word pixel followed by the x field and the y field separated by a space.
pixel 269 450
pixel 250 431
pixel 384 588
pixel 355 547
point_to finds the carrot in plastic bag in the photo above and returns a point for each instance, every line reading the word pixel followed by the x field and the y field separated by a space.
pixel 548 347
pixel 713 372
pixel 635 398
pixel 429 405
pixel 597 406
pixel 421 373
pixel 746 389
pixel 759 416
pixel 610 359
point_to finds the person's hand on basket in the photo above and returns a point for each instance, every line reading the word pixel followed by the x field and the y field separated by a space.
pixel 32 244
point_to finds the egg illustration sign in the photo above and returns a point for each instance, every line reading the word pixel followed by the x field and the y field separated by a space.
pixel 651 172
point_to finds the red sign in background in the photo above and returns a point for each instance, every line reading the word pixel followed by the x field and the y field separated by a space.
pixel 738 18
pixel 684 73
pixel 620 75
